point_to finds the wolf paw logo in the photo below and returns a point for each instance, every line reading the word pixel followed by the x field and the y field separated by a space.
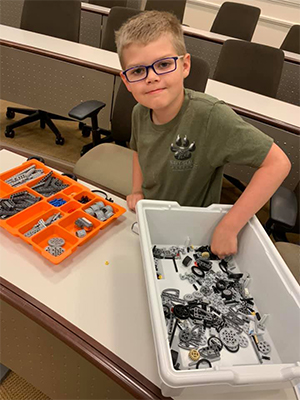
pixel 183 148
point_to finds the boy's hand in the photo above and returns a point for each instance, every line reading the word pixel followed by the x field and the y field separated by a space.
pixel 133 198
pixel 224 241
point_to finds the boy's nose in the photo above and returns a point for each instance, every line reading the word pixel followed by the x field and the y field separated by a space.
pixel 152 76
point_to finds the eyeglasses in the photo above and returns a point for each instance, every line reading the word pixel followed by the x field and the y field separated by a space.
pixel 160 67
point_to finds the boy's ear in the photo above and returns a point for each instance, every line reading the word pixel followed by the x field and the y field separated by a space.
pixel 186 65
pixel 126 83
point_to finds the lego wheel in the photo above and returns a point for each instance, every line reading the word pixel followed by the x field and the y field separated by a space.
pixel 40 159
pixel 10 133
pixel 69 175
pixel 60 141
pixel 10 114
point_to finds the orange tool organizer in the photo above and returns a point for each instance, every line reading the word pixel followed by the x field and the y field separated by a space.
pixel 71 210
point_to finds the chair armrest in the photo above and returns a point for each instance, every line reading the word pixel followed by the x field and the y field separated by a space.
pixel 284 207
pixel 86 109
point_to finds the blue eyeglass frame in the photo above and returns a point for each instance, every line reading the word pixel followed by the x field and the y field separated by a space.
pixel 151 66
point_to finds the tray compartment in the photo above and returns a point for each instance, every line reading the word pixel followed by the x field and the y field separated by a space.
pixel 70 207
pixel 4 221
pixel 40 242
pixel 45 190
pixel 59 195
pixel 38 165
pixel 25 228
pixel 16 221
pixel 85 193
pixel 72 190
pixel 68 223
pixel 5 189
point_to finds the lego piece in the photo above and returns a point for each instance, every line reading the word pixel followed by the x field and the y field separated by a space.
pixel 81 233
pixel 187 261
pixel 56 242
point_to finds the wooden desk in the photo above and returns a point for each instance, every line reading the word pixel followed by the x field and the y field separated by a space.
pixel 97 311
pixel 45 72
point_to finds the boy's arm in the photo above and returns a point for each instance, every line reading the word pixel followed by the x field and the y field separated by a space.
pixel 263 184
pixel 137 181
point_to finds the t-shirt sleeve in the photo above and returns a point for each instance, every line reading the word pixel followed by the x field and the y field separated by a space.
pixel 134 130
pixel 231 139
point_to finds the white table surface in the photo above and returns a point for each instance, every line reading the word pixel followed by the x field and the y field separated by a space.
pixel 257 103
pixel 67 48
pixel 107 302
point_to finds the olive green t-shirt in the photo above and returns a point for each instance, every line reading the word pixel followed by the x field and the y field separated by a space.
pixel 183 159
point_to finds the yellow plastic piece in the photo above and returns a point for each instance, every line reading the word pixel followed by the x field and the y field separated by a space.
pixel 205 254
pixel 106 262
pixel 194 355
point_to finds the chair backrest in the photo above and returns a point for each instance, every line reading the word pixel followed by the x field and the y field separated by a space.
pixel 121 117
pixel 198 76
pixel 176 7
pixel 250 66
pixel 117 16
pixel 58 18
pixel 292 40
pixel 109 3
pixel 236 20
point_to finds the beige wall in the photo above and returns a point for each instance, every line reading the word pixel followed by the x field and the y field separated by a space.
pixel 277 16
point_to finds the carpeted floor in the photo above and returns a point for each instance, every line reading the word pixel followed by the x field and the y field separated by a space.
pixel 14 387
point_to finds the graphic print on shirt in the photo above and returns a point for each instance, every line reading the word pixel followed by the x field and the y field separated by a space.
pixel 183 152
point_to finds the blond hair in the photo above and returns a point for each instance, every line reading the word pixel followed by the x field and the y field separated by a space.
pixel 147 27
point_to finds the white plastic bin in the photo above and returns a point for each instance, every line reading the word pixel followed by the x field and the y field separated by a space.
pixel 273 287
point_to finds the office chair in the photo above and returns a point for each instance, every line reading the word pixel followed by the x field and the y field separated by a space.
pixel 284 218
pixel 58 18
pixel 292 40
pixel 109 3
pixel 236 20
pixel 198 76
pixel 176 7
pixel 121 118
pixel 284 213
pixel 250 66
pixel 116 17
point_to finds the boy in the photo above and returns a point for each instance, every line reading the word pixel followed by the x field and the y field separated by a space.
pixel 182 138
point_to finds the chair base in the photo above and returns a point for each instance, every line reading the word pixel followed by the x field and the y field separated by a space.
pixel 32 116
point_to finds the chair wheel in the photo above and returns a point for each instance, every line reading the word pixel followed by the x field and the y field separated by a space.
pixel 86 131
pixel 10 114
pixel 60 141
pixel 42 124
pixel 10 133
